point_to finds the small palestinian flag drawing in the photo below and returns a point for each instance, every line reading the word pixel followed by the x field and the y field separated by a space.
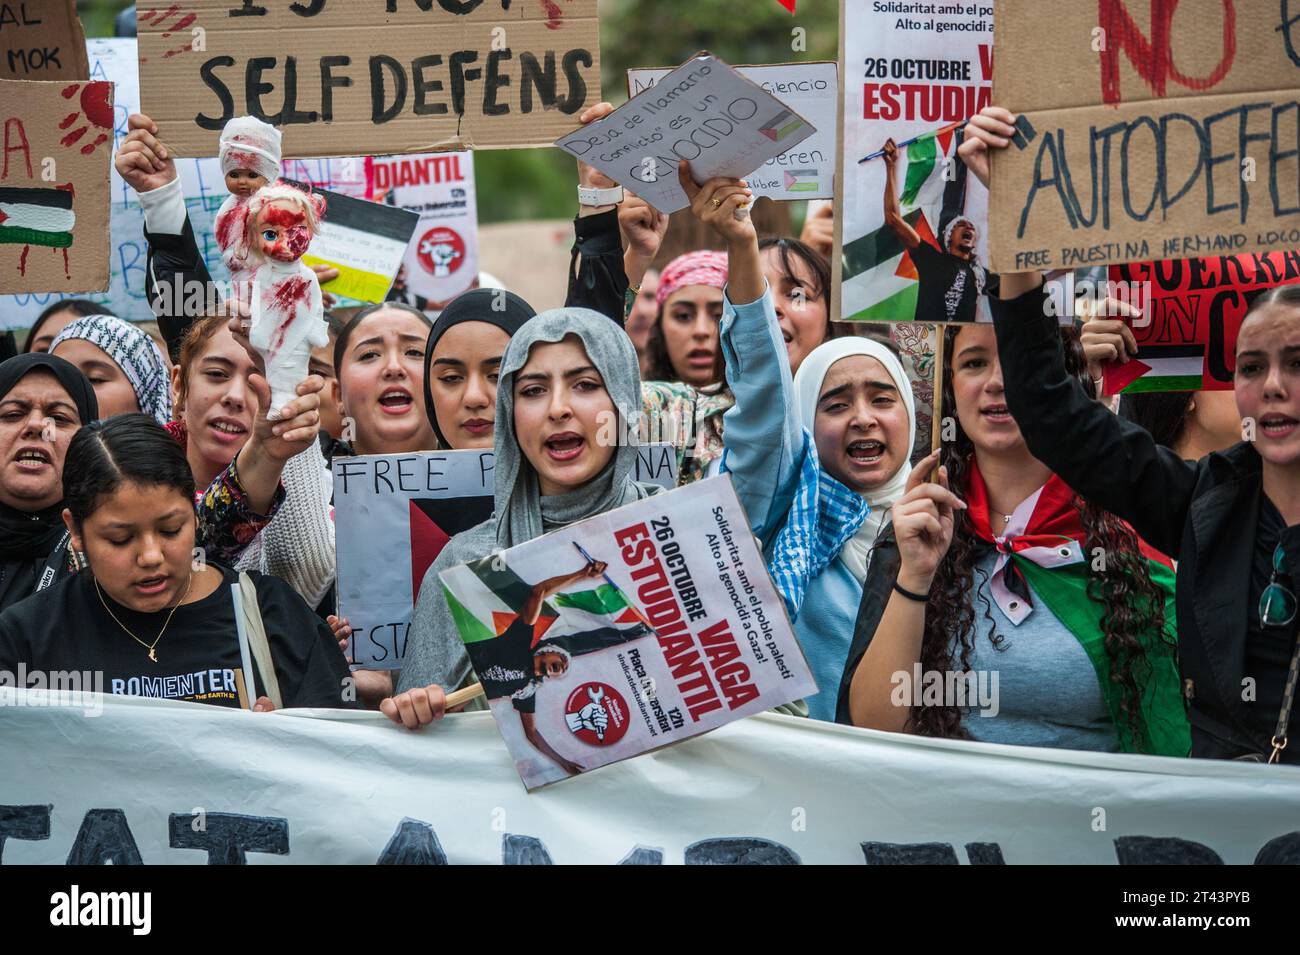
pixel 36 216
pixel 781 125
pixel 1159 368
pixel 801 180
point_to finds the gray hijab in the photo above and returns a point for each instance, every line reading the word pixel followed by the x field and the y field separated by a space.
pixel 435 653
pixel 521 512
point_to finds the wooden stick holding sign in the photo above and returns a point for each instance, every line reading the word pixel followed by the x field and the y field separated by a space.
pixel 936 413
pixel 464 695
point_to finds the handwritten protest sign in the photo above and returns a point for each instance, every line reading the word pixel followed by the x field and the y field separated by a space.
pixel 910 241
pixel 1191 313
pixel 393 513
pixel 42 40
pixel 639 628
pixel 442 260
pixel 114 60
pixel 54 185
pixel 805 171
pixel 1148 131
pixel 396 75
pixel 364 240
pixel 705 112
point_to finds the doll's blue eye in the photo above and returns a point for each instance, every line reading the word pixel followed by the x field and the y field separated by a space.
pixel 269 235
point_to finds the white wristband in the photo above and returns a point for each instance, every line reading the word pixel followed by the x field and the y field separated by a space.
pixel 600 197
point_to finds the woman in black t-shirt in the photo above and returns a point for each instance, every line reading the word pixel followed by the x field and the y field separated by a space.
pixel 144 617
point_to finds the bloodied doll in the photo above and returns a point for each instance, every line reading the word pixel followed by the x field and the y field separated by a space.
pixel 250 159
pixel 287 319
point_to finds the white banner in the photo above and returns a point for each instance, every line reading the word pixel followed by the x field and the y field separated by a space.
pixel 167 782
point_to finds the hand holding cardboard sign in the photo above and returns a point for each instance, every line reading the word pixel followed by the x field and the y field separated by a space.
pixel 588 175
pixel 715 204
pixel 990 128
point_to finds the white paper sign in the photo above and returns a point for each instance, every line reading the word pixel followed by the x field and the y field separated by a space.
pixel 392 515
pixel 805 171
pixel 704 112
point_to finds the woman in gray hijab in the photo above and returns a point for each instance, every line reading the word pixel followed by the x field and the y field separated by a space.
pixel 566 376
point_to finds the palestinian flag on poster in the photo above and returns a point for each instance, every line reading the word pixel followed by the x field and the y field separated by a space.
pixel 1158 368
pixel 485 597
pixel 36 216
pixel 781 125
pixel 433 522
pixel 879 281
pixel 801 180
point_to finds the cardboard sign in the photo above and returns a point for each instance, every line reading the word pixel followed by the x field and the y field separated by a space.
pixel 651 623
pixel 399 76
pixel 364 240
pixel 42 40
pixel 805 171
pixel 114 60
pixel 1152 131
pixel 393 513
pixel 1191 313
pixel 913 80
pixel 704 112
pixel 443 259
pixel 54 166
pixel 656 464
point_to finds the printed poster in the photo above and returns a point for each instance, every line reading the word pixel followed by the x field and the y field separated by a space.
pixel 636 629
pixel 912 78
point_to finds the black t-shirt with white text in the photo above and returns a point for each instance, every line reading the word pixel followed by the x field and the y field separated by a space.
pixel 949 286
pixel 66 628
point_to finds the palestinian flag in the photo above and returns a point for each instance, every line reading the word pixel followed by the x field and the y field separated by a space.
pixel 433 522
pixel 801 180
pixel 781 125
pixel 879 281
pixel 485 597
pixel 1158 368
pixel 36 216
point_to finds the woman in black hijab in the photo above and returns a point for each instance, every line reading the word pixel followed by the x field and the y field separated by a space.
pixel 461 363
pixel 44 400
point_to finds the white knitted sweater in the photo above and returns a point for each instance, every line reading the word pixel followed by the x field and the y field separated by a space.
pixel 298 545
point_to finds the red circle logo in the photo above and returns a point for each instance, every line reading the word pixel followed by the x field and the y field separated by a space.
pixel 597 714
pixel 441 251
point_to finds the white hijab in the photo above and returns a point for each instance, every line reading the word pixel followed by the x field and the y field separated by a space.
pixel 807 387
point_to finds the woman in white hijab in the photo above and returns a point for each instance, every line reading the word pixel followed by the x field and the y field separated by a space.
pixel 816 460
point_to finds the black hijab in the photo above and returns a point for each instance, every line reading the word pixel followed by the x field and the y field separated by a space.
pixel 506 310
pixel 28 535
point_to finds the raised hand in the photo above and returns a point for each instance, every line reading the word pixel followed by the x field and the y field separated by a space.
pixel 1106 338
pixel 990 128
pixel 715 204
pixel 142 160
pixel 923 521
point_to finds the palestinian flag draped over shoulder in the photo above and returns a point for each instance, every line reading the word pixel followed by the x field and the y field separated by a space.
pixel 487 601
pixel 879 281
pixel 36 216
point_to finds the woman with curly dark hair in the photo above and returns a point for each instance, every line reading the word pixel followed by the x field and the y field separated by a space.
pixel 1018 599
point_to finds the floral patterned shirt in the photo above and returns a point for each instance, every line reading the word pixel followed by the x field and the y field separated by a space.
pixel 226 521
pixel 687 417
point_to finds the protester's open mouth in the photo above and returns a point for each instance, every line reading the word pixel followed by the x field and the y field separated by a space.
pixel 396 401
pixel 866 453
pixel 564 446
pixel 477 426
pixel 998 414
pixel 151 586
pixel 227 430
pixel 700 358
pixel 33 459
pixel 1277 425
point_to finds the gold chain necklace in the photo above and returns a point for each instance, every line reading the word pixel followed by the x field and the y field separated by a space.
pixel 148 646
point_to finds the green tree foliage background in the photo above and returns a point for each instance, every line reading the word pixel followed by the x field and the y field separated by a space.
pixel 539 183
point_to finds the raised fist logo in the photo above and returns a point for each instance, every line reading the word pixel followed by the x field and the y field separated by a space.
pixel 596 714
pixel 440 251
pixel 593 717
